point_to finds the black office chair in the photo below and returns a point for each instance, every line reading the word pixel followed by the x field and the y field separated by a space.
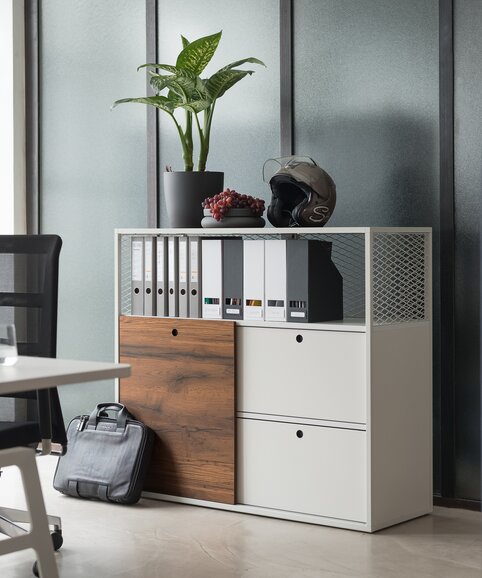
pixel 28 298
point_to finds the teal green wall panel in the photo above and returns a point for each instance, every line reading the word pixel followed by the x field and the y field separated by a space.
pixel 245 130
pixel 93 166
pixel 468 190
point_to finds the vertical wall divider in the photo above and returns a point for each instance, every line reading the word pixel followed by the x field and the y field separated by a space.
pixel 286 78
pixel 153 172
pixel 447 248
pixel 32 116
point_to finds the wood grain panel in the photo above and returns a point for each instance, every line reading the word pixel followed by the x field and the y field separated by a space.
pixel 183 387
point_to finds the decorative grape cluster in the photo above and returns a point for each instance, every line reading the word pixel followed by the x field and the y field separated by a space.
pixel 220 204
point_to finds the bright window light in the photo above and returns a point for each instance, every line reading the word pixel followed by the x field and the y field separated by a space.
pixel 12 117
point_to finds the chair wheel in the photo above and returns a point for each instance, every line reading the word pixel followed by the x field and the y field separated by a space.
pixel 35 568
pixel 57 539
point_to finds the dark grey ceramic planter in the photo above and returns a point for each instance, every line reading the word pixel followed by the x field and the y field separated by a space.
pixel 184 193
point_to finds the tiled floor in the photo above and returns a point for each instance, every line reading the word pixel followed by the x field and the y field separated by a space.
pixel 157 539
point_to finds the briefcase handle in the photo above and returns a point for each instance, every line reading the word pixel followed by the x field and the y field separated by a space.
pixel 122 414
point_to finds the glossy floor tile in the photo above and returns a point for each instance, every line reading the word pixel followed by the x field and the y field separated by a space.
pixel 163 540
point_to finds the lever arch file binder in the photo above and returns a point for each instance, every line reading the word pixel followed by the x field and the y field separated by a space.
pixel 232 278
pixel 253 280
pixel 195 285
pixel 314 284
pixel 275 279
pixel 149 275
pixel 212 278
pixel 161 274
pixel 173 275
pixel 183 277
pixel 137 276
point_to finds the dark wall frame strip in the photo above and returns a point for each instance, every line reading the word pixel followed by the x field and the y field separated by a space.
pixel 32 115
pixel 152 120
pixel 286 78
pixel 447 248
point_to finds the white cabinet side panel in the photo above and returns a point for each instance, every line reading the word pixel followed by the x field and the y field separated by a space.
pixel 400 426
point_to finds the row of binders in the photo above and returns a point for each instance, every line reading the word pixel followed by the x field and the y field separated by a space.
pixel 232 278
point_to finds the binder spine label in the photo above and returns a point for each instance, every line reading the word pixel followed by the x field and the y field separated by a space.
pixel 194 285
pixel 137 276
pixel 183 277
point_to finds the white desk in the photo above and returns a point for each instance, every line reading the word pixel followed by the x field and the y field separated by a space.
pixel 32 373
pixel 29 374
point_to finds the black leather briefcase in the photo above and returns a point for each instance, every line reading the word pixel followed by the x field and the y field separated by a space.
pixel 107 457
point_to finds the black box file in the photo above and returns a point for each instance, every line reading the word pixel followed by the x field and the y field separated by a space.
pixel 314 284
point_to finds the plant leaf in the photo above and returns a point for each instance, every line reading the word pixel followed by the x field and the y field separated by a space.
pixel 159 82
pixel 196 105
pixel 251 60
pixel 161 102
pixel 196 55
pixel 167 67
pixel 223 80
pixel 188 86
pixel 185 41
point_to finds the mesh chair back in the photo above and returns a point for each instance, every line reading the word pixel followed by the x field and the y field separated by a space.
pixel 28 298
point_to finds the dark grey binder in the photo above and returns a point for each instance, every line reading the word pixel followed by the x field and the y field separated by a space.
pixel 137 276
pixel 233 278
pixel 314 285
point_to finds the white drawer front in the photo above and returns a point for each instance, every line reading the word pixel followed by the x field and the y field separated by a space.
pixel 303 373
pixel 322 473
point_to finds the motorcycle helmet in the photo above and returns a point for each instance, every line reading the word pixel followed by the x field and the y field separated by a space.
pixel 303 194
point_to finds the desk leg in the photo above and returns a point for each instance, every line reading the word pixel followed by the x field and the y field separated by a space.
pixel 39 536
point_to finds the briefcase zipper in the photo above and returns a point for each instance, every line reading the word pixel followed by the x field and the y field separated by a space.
pixel 83 420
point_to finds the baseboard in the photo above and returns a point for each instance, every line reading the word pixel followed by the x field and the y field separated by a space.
pixel 475 505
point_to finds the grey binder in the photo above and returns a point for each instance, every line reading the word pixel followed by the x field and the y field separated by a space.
pixel 137 276
pixel 232 278
pixel 161 275
pixel 314 285
pixel 173 275
pixel 183 277
pixel 195 276
pixel 149 275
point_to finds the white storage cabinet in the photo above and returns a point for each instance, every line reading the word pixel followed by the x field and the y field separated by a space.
pixel 334 421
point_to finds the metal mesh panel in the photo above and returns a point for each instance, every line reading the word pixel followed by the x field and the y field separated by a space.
pixel 399 278
pixel 125 306
pixel 348 254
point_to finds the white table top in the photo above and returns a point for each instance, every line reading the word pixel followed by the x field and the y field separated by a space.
pixel 31 373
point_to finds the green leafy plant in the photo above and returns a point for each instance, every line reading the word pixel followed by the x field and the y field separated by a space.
pixel 197 96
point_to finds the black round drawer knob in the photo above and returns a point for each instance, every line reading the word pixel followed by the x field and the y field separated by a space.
pixel 174 332
pixel 299 434
pixel 299 338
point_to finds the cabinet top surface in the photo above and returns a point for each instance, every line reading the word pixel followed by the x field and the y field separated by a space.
pixel 274 231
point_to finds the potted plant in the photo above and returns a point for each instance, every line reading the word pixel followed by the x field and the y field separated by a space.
pixel 185 91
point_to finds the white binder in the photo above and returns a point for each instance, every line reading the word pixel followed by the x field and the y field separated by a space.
pixel 173 275
pixel 253 279
pixel 137 276
pixel 161 274
pixel 183 277
pixel 195 280
pixel 212 278
pixel 275 279
pixel 149 276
